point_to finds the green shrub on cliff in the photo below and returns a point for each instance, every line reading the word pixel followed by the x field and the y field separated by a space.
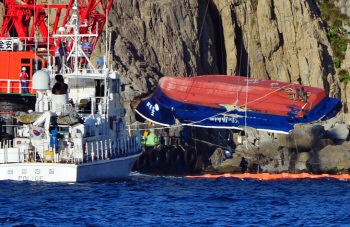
pixel 336 33
pixel 344 76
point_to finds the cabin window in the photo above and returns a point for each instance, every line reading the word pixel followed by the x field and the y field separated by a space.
pixel 100 88
pixel 118 86
pixel 37 64
pixel 25 60
pixel 115 86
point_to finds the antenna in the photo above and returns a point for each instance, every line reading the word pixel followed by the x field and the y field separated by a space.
pixel 106 56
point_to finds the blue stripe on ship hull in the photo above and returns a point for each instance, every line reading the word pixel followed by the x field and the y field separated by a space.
pixel 163 110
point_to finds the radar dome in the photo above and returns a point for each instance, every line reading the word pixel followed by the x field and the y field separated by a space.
pixel 41 80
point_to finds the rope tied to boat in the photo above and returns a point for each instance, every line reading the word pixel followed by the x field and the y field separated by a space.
pixel 286 86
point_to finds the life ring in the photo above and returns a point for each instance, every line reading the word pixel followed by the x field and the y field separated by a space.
pixel 154 158
pixel 141 161
pixel 175 156
pixel 190 156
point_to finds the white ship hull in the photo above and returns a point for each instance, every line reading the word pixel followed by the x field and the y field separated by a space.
pixel 63 172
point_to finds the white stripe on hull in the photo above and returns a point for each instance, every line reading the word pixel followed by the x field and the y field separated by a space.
pixel 63 172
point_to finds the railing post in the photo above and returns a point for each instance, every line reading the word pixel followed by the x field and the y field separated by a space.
pixel 118 145
pixel 135 144
pixel 124 146
pixel 97 151
pixel 92 152
pixel 102 150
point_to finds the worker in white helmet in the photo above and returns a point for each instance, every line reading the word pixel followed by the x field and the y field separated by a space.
pixel 23 77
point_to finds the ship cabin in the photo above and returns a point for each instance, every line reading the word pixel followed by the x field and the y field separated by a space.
pixel 11 64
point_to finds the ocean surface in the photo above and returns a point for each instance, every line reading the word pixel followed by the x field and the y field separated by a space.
pixel 149 200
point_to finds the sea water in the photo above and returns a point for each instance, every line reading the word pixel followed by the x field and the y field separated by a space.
pixel 148 200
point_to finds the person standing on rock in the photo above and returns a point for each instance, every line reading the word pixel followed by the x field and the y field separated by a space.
pixel 244 165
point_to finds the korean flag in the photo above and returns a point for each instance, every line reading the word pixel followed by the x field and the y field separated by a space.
pixel 36 133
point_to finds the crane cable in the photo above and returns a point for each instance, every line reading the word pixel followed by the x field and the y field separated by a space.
pixel 247 87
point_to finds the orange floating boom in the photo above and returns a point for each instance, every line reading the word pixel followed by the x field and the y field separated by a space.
pixel 268 176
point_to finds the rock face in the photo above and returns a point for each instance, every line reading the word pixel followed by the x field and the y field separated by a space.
pixel 343 5
pixel 154 39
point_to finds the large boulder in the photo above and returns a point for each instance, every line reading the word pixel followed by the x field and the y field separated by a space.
pixel 338 132
pixel 299 161
pixel 276 161
pixel 346 144
pixel 231 165
pixel 303 137
pixel 217 158
pixel 331 159
pixel 269 149
pixel 330 123
pixel 322 143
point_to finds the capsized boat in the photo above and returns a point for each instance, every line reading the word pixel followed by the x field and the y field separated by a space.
pixel 76 134
pixel 223 101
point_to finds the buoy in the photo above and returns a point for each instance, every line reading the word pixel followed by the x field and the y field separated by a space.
pixel 268 176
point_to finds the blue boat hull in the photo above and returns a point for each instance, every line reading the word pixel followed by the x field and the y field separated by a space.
pixel 163 110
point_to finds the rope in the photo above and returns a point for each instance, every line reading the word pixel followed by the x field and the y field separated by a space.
pixel 221 41
pixel 266 94
pixel 205 14
pixel 187 92
pixel 247 87
pixel 239 71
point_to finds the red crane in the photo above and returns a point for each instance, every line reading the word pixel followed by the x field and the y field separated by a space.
pixel 28 18
pixel 26 38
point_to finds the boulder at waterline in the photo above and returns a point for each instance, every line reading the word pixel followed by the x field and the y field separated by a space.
pixel 331 159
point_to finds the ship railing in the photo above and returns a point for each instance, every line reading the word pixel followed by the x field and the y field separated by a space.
pixel 165 140
pixel 96 151
pixel 99 150
pixel 24 43
pixel 90 106
pixel 15 86
pixel 129 145
pixel 107 149
pixel 11 154
pixel 135 136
